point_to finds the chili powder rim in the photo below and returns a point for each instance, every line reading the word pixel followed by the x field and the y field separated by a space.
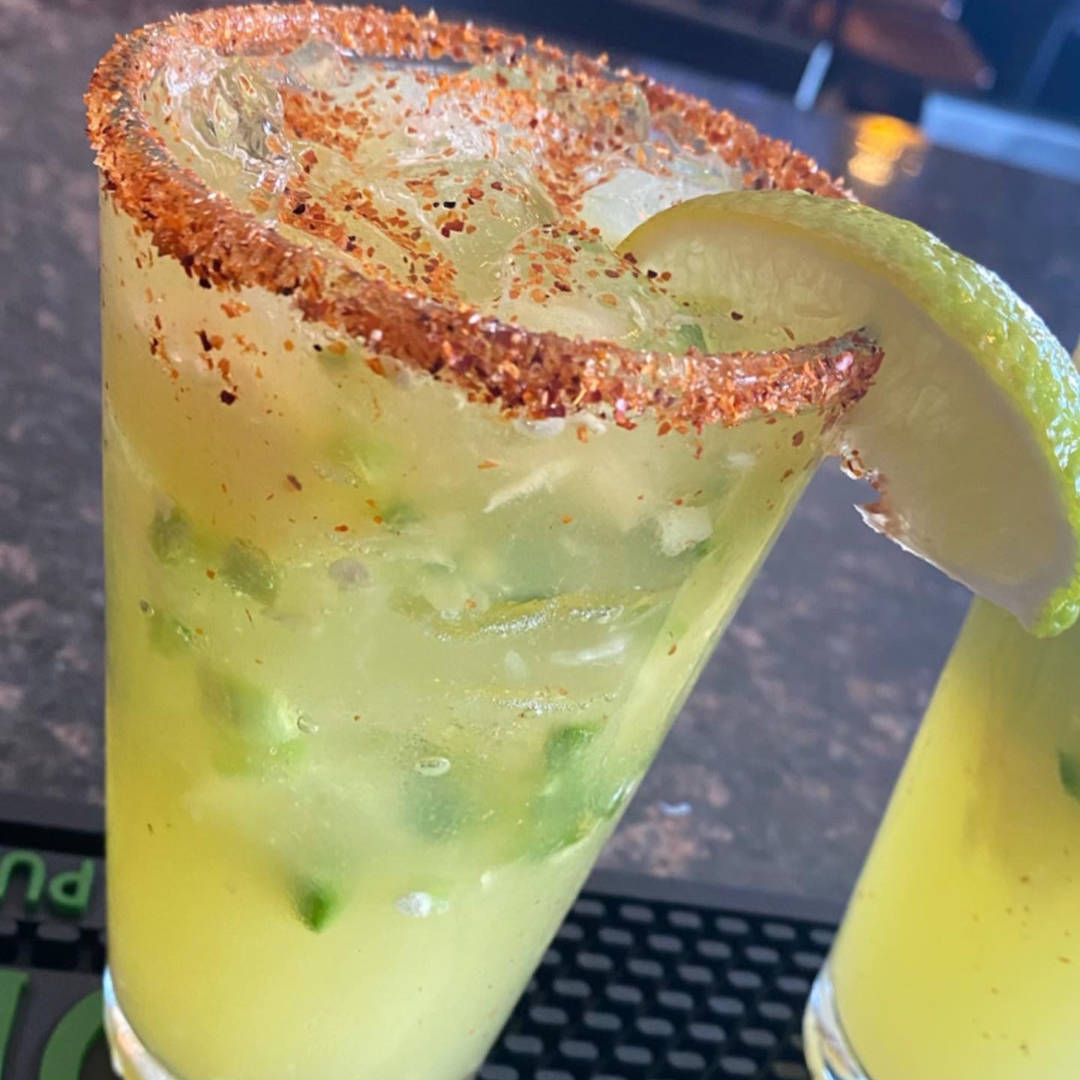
pixel 524 373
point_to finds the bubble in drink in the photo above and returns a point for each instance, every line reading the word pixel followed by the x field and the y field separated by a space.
pixel 433 766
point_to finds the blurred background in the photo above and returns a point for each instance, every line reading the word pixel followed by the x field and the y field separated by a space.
pixel 963 115
pixel 999 78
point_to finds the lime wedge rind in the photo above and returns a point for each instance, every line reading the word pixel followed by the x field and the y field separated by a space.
pixel 969 306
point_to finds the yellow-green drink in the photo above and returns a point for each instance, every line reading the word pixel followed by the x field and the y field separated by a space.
pixel 404 588
pixel 959 953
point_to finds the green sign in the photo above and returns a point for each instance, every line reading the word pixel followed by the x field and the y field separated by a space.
pixel 68 892
pixel 68 1042
pixel 79 1028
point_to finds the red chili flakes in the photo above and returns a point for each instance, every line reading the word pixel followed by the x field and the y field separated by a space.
pixel 227 397
pixel 853 465
pixel 414 303
pixel 288 345
pixel 797 438
pixel 737 316
pixel 211 574
pixel 672 650
pixel 582 433
pixel 378 519
pixel 338 348
pixel 566 519
pixel 341 528
pixel 487 463
pixel 293 482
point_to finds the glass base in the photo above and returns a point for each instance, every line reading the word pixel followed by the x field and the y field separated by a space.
pixel 828 1054
pixel 130 1058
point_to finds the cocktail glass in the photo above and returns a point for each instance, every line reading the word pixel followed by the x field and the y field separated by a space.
pixel 401 597
pixel 959 951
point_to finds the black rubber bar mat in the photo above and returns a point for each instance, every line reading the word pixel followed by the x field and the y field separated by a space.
pixel 648 979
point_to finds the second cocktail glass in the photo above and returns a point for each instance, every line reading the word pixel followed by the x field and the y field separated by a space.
pixel 958 955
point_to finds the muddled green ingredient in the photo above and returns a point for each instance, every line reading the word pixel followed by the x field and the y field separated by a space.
pixel 168 635
pixel 256 732
pixel 399 515
pixel 317 901
pixel 565 745
pixel 691 336
pixel 171 534
pixel 1069 772
pixel 249 570
pixel 254 711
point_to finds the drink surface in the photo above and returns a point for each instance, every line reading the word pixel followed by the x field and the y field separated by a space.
pixel 960 951
pixel 385 667
pixel 503 188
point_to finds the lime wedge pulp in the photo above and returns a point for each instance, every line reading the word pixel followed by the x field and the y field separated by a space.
pixel 971 431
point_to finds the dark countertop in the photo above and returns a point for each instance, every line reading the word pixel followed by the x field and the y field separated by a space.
pixel 778 768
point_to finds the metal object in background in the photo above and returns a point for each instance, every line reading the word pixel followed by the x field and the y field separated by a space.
pixel 1064 26
pixel 872 54
pixel 647 979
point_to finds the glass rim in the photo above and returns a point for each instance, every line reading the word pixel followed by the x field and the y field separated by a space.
pixel 524 373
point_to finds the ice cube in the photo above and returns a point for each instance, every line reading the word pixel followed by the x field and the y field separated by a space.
pixel 543 478
pixel 319 65
pixel 682 528
pixel 349 573
pixel 607 652
pixel 237 113
pixel 619 204
pixel 420 905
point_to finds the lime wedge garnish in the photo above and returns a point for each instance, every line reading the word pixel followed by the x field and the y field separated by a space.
pixel 971 431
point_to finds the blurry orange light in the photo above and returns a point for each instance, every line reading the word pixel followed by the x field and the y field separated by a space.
pixel 881 142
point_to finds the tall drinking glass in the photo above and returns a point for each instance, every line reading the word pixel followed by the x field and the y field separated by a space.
pixel 402 597
pixel 959 955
